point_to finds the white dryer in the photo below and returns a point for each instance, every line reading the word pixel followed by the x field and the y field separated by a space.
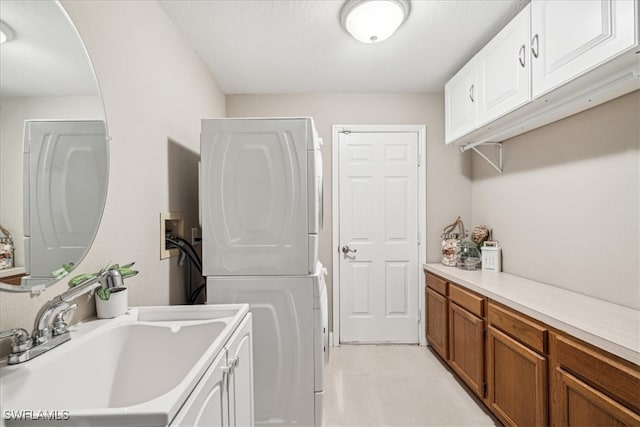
pixel 290 342
pixel 260 196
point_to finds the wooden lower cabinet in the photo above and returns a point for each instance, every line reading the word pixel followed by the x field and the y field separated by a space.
pixel 436 329
pixel 466 347
pixel 535 375
pixel 516 381
pixel 583 405
pixel 13 280
pixel 590 387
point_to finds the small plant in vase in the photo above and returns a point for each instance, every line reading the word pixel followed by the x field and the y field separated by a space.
pixel 109 302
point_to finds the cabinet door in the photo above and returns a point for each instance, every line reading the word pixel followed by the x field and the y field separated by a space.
pixel 572 37
pixel 459 103
pixel 208 403
pixel 590 384
pixel 504 70
pixel 240 356
pixel 466 347
pixel 516 381
pixel 437 332
pixel 583 405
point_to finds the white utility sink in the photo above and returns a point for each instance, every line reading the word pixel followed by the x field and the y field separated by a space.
pixel 137 369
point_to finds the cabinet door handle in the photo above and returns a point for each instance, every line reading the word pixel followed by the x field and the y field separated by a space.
pixel 535 50
pixel 471 93
pixel 521 55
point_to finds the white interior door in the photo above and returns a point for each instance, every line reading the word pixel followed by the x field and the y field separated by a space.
pixel 378 223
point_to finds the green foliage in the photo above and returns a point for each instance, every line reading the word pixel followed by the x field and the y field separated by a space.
pixel 63 271
pixel 125 271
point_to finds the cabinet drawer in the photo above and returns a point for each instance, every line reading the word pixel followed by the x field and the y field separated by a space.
pixel 617 379
pixel 472 302
pixel 437 284
pixel 517 326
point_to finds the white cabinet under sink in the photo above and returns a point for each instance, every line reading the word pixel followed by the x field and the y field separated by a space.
pixel 571 37
pixel 240 378
pixel 224 395
pixel 554 59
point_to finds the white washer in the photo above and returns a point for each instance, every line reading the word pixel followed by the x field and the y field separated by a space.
pixel 290 341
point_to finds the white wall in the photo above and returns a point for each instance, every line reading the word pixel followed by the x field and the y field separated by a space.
pixel 14 111
pixel 155 92
pixel 566 210
pixel 448 171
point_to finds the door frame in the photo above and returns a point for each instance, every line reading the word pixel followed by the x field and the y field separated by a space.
pixel 421 130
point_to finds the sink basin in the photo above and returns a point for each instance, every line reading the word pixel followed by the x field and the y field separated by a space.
pixel 137 369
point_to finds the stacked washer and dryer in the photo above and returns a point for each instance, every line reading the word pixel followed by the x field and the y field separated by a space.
pixel 261 215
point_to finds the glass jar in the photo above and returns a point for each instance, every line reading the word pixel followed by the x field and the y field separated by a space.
pixel 469 256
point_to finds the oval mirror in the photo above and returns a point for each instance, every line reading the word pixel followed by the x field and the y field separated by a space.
pixel 53 146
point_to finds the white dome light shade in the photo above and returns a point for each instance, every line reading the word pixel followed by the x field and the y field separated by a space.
pixel 6 33
pixel 371 21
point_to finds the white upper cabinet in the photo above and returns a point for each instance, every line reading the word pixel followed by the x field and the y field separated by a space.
pixel 572 37
pixel 504 70
pixel 554 59
pixel 460 102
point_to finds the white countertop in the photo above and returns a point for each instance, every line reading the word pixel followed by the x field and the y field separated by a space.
pixel 11 271
pixel 612 327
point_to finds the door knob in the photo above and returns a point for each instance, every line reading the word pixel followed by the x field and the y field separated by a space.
pixel 347 249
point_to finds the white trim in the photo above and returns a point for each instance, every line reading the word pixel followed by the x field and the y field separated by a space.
pixel 422 216
pixel 332 341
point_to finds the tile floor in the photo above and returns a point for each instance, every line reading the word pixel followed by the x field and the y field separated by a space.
pixel 395 385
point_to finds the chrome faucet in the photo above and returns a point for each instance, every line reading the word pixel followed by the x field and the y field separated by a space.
pixel 46 336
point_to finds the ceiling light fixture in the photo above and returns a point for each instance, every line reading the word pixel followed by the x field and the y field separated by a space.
pixel 372 21
pixel 6 33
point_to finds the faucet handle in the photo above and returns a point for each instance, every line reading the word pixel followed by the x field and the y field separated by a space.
pixel 21 339
pixel 59 325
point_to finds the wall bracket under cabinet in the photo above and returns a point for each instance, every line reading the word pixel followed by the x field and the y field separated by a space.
pixel 499 167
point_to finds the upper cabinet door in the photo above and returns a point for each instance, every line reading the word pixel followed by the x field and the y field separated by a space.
pixel 460 102
pixel 504 70
pixel 570 37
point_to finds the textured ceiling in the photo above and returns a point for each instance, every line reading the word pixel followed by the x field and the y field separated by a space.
pixel 298 46
pixel 46 57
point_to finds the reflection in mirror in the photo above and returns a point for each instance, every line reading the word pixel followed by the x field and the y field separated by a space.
pixel 53 146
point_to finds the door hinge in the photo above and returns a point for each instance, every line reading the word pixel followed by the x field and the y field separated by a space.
pixel 419 316
pixel 484 389
pixel 419 238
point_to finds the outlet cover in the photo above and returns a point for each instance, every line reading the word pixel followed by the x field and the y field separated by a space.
pixel 171 225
